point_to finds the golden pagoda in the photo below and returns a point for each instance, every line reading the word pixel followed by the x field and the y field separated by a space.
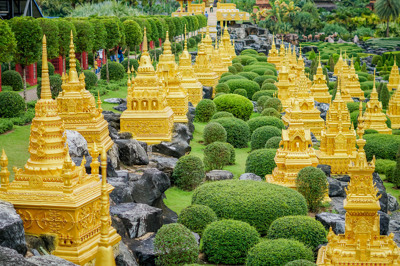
pixel 344 92
pixel 207 41
pixel 373 116
pixel 284 86
pixel 310 115
pixel 77 107
pixel 353 84
pixel 282 54
pixel 300 65
pixel 339 65
pixel 52 195
pixel 319 89
pixel 226 39
pixel 338 138
pixel 292 61
pixel 361 244
pixel 273 55
pixel 216 60
pixel 204 69
pixel 148 117
pixel 394 109
pixel 295 151
pixel 189 79
pixel 168 71
pixel 394 78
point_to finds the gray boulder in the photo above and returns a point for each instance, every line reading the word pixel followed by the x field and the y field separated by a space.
pixel 381 191
pixel 384 220
pixel 393 205
pixel 250 176
pixel 12 234
pixel 150 187
pixel 131 152
pixel 10 257
pixel 77 144
pixel 336 221
pixel 49 260
pixel 207 92
pixel 113 154
pixel 143 249
pixel 165 164
pixel 337 204
pixel 114 100
pixel 176 148
pixel 325 168
pixel 336 187
pixel 218 175
pixel 125 257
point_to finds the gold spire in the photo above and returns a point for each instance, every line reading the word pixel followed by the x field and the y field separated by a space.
pixel 73 74
pixel 46 92
pixel 167 45
pixel 144 46
pixel 4 173
pixel 99 102
pixel 186 48
pixel 145 63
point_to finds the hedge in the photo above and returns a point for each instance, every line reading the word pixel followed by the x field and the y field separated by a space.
pixel 250 86
pixel 238 132
pixel 311 183
pixel 188 172
pixel 90 79
pixel 382 146
pixel 273 103
pixel 300 263
pixel 12 78
pixel 222 87
pixel 254 202
pixel 381 165
pixel 205 109
pixel 260 121
pixel 50 67
pixel 244 60
pixel 12 104
pixel 259 94
pixel 132 62
pixel 216 156
pixel 5 125
pixel 241 92
pixel 261 162
pixel 197 217
pixel 238 105
pixel 261 101
pixel 269 87
pixel 231 77
pixel 249 75
pixel 214 132
pixel 261 135
pixel 55 86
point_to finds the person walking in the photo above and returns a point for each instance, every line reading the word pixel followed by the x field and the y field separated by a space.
pixel 206 14
pixel 121 54
pixel 211 8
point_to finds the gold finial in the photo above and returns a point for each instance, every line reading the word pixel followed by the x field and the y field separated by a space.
pixel 185 39
pixel 67 171
pixel 144 46
pixel 374 87
pixel 73 74
pixel 45 94
pixel 167 45
pixel 319 60
pixel 99 102
pixel 4 173
pixel 395 58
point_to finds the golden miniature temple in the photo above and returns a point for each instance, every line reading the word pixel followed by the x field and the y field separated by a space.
pixel 77 107
pixel 216 60
pixel 148 117
pixel 353 84
pixel 284 85
pixel 207 41
pixel 189 79
pixel 229 47
pixel 310 115
pixel 300 65
pixel 373 116
pixel 338 138
pixel 319 89
pixel 394 78
pixel 361 244
pixel 282 55
pixel 295 151
pixel 52 195
pixel 204 69
pixel 273 55
pixel 339 65
pixel 394 109
pixel 177 95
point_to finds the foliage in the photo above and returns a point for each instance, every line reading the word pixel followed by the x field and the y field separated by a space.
pixel 50 67
pixel 12 78
pixel 228 241
pixel 300 263
pixel 90 79
pixel 385 97
pixel 99 34
pixel 132 62
pixel 5 124
pixel 269 86
pixel 250 86
pixel 262 100
pixel 231 149
pixel 8 43
pixel 222 87
pixel 311 183
pixel 174 244
pixel 214 132
pixel 216 156
pixel 238 105
pixel 261 135
pixel 249 75
pixel 278 252
pixel 116 71
pixel 197 217
pixel 381 165
pixel 261 162
pixel 260 121
pixel 55 86
pixel 238 132
pixel 238 66
pixel 382 146
pixel 259 94
pixel 273 143
pixel 11 104
pixel 106 8
pixel 222 114
pixel 188 172
pixel 50 29
pixel 254 202
pixel 387 10
pixel 335 28
pixel 64 38
pixel 84 36
pixel 205 109
pixel 273 103
pixel 271 112
pixel 230 77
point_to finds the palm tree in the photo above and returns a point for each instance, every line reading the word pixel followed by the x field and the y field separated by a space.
pixel 387 10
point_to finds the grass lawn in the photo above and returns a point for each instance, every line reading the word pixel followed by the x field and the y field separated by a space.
pixel 177 199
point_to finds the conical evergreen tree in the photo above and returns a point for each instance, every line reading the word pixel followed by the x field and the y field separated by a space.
pixel 385 96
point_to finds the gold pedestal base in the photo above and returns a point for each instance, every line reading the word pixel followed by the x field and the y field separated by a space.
pixel 179 105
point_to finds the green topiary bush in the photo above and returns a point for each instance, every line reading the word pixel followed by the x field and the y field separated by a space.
pixel 232 69
pixel 271 112
pixel 55 86
pixel 11 104
pixel 90 79
pixel 269 86
pixel 257 203
pixel 50 67
pixel 261 135
pixel 382 146
pixel 261 162
pixel 231 77
pixel 216 156
pixel 273 143
pixel 6 88
pixel 354 106
pixel 371 131
pixel 250 86
pixel 214 132
pixel 232 158
pixel 260 70
pixel 222 87
pixel 228 241
pixel 278 252
pixel 260 80
pixel 197 217
pixel 12 78
pixel 238 132
pixel 259 94
pixel 238 105
pixel 300 263
pixel 238 66
pixel 273 103
pixel 226 74
pixel 205 109
pixel 5 125
pixel 116 71
pixel 381 165
pixel 249 52
pixel 174 244
pixel 261 101
pixel 260 121
pixel 269 72
pixel 249 75
pixel 221 114
pixel 132 62
pixel 241 92
pixel 219 94
pixel 312 184
pixel 188 172
pixel 301 228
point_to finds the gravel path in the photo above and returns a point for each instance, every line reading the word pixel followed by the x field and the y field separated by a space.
pixel 30 95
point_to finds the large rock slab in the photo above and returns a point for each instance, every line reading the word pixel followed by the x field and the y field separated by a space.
pixel 393 205
pixel 250 176
pixel 150 187
pixel 336 187
pixel 131 152
pixel 12 234
pixel 218 175
pixel 143 249
pixel 49 260
pixel 165 164
pixel 77 144
pixel 10 257
pixel 125 257
pixel 336 221
pixel 179 145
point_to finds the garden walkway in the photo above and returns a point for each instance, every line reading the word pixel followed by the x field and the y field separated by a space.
pixel 31 95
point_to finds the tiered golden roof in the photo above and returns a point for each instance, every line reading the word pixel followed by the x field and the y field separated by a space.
pixel 148 116
pixel 189 79
pixel 216 60
pixel 226 40
pixel 77 107
pixel 394 109
pixel 394 78
pixel 282 54
pixel 168 71
pixel 295 151
pixel 361 244
pixel 207 41
pixel 319 89
pixel 292 61
pixel 54 196
pixel 353 84
pixel 338 138
pixel 300 65
pixel 310 115
pixel 284 87
pixel 339 65
pixel 373 117
pixel 273 55
pixel 204 69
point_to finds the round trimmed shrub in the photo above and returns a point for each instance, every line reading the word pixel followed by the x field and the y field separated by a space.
pixel 261 135
pixel 382 146
pixel 249 75
pixel 260 70
pixel 188 172
pixel 250 86
pixel 232 69
pixel 305 229
pixel 214 132
pixel 257 203
pixel 216 156
pixel 312 184
pixel 11 104
pixel 260 80
pixel 261 162
pixel 228 241
pixel 270 77
pixel 269 87
pixel 259 94
pixel 242 92
pixel 116 71
pixel 174 244
pixel 249 52
pixel 238 132
pixel 269 72
pixel 226 74
pixel 271 112
pixel 273 103
pixel 273 143
pixel 12 78
pixel 260 121
pixel 231 77
pixel 90 79
pixel 219 94
pixel 55 86
pixel 205 109
pixel 221 114
pixel 238 105
pixel 300 263
pixel 232 158
pixel 197 217
pixel 50 67
pixel 238 66
pixel 371 131
pixel 278 252
pixel 261 101
pixel 132 62
pixel 222 87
